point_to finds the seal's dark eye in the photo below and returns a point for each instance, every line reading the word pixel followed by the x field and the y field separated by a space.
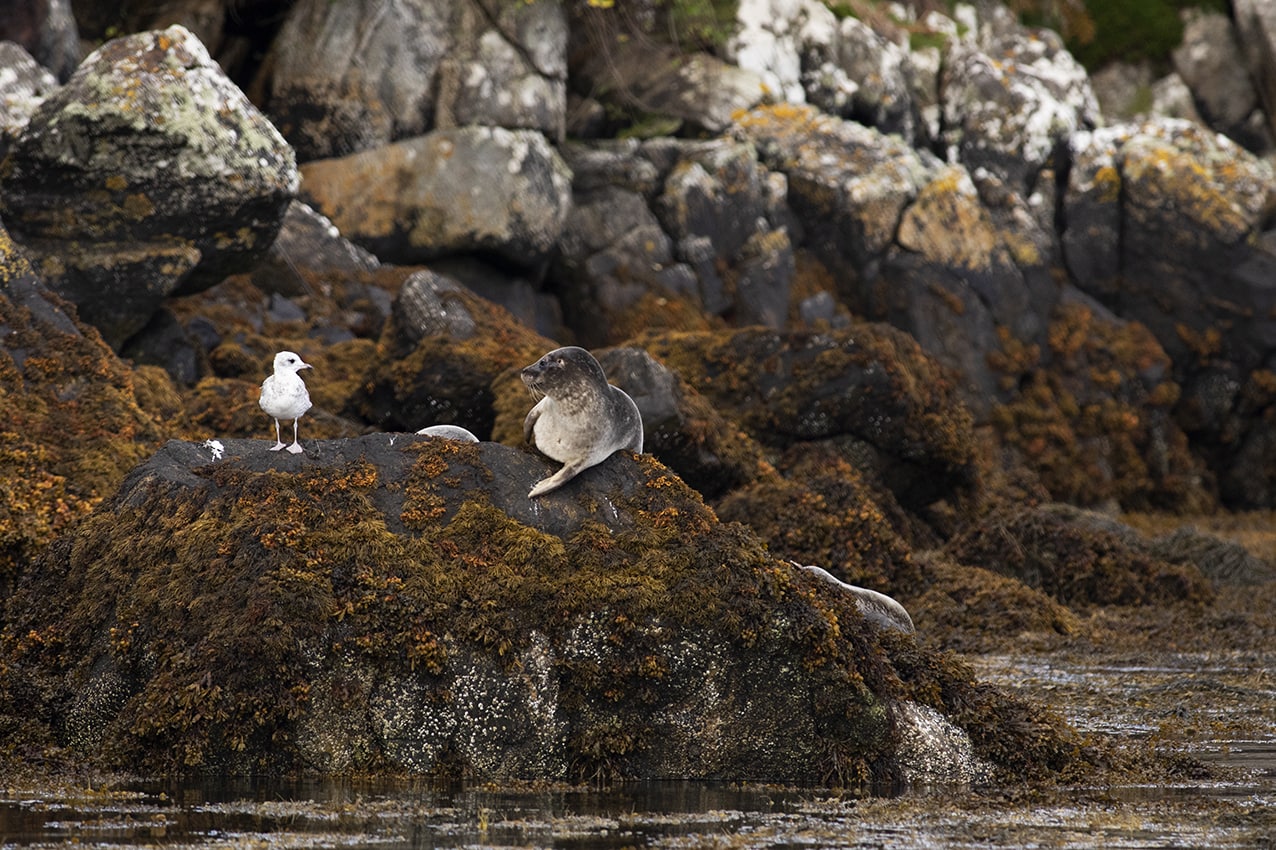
pixel 560 361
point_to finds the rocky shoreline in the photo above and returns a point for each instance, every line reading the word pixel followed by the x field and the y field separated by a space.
pixel 939 348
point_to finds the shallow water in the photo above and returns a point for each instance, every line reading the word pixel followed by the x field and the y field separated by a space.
pixel 1218 708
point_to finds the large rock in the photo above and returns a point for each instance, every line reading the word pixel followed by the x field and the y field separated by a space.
pixel 869 383
pixel 439 355
pixel 148 174
pixel 1206 60
pixel 1256 30
pixel 472 189
pixel 47 30
pixel 853 72
pixel 348 77
pixel 909 240
pixel 24 85
pixel 1008 103
pixel 1162 219
pixel 673 234
pixel 397 602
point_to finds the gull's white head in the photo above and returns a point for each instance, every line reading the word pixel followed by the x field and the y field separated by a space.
pixel 287 361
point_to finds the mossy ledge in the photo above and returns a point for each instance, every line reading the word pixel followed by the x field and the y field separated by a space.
pixel 397 603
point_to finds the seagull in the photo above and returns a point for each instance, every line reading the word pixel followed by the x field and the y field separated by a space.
pixel 284 396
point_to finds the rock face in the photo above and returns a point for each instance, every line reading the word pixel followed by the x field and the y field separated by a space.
pixel 148 174
pixel 416 611
pixel 23 86
pixel 416 200
pixel 348 77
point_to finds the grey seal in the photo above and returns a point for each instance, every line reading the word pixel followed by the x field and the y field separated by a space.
pixel 582 419
pixel 284 396
pixel 878 608
pixel 450 432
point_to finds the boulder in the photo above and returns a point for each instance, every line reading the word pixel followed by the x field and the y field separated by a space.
pixel 855 73
pixel 673 234
pixel 505 193
pixel 24 84
pixel 440 352
pixel 770 38
pixel 1162 226
pixel 396 602
pixel 1221 86
pixel 869 382
pixel 1256 31
pixel 148 174
pixel 1009 102
pixel 46 30
pixel 650 85
pixel 348 77
pixel 1096 414
pixel 911 241
pixel 1074 560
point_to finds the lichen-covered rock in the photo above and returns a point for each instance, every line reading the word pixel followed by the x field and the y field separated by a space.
pixel 24 85
pixel 855 73
pixel 347 77
pixel 514 73
pixel 484 189
pixel 148 174
pixel 770 37
pixel 848 184
pixel 673 234
pixel 661 87
pixel 1160 220
pixel 396 602
pixel 1010 102
pixel 1165 227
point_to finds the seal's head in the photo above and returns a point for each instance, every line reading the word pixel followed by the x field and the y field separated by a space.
pixel 565 373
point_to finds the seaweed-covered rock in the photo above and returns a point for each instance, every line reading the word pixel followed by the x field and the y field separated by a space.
pixel 440 353
pixel 870 382
pixel 148 174
pixel 1076 561
pixel 972 609
pixel 1093 414
pixel 395 601
pixel 72 427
